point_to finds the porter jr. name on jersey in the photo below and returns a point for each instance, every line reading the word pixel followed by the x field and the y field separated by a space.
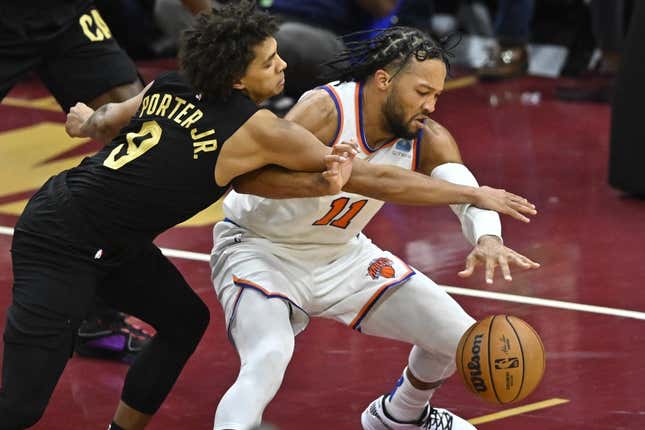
pixel 183 113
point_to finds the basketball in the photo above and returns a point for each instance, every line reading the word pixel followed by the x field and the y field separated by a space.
pixel 501 359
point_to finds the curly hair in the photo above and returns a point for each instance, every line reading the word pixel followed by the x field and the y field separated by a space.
pixel 390 48
pixel 215 53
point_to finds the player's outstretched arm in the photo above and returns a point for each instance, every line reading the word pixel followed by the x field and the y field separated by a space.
pixel 276 182
pixel 266 140
pixel 104 123
pixel 397 185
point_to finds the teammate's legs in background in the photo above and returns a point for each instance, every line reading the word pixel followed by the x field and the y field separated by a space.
pixel 86 64
pixel 152 289
pixel 264 339
pixel 434 324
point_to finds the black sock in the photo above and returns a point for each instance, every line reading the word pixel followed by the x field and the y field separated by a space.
pixel 115 426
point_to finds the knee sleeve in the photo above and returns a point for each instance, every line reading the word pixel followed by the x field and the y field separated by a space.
pixel 269 360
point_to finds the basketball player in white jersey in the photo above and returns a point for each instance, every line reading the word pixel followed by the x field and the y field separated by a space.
pixel 311 258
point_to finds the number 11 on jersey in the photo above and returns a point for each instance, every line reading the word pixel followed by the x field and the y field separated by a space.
pixel 337 206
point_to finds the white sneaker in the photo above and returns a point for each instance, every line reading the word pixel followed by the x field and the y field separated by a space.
pixel 375 417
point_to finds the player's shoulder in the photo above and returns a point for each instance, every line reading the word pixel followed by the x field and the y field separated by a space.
pixel 316 111
pixel 170 77
pixel 320 101
pixel 436 134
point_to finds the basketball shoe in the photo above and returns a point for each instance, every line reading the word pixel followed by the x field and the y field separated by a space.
pixel 375 417
pixel 111 335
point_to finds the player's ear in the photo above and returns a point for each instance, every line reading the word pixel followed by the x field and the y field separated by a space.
pixel 239 85
pixel 382 79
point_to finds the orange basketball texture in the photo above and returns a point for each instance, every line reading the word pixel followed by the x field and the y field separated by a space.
pixel 501 359
pixel 387 272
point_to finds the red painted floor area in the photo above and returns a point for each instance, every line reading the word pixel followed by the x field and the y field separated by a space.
pixel 588 237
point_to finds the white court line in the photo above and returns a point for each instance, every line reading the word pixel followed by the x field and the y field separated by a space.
pixel 545 302
pixel 196 256
pixel 168 252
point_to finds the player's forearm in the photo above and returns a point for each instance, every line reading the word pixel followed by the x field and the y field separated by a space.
pixel 293 147
pixel 103 125
pixel 277 183
pixel 475 222
pixel 396 185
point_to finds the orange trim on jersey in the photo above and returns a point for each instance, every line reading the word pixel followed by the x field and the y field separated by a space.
pixel 355 324
pixel 358 113
pixel 341 115
pixel 247 283
pixel 390 143
pixel 414 154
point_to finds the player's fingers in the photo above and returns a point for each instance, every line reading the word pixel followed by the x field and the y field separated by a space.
pixel 523 207
pixel 335 158
pixel 471 263
pixel 515 214
pixel 519 198
pixel 490 270
pixel 524 261
pixel 506 271
pixel 330 173
pixel 345 147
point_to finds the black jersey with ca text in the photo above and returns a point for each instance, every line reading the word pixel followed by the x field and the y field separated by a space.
pixel 24 22
pixel 159 171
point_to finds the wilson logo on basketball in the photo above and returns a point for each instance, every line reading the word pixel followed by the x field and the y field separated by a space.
pixel 381 267
pixel 474 366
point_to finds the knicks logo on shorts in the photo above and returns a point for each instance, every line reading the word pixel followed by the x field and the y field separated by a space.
pixel 381 267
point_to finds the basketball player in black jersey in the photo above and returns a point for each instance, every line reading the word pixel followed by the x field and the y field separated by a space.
pixel 89 231
pixel 64 42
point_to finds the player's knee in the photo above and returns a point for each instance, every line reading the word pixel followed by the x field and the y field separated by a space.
pixel 196 321
pixel 200 317
pixel 278 359
pixel 273 355
pixel 187 326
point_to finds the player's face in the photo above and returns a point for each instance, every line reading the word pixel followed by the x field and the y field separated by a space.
pixel 264 77
pixel 413 96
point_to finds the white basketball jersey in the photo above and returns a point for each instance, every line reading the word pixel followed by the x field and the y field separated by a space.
pixel 329 219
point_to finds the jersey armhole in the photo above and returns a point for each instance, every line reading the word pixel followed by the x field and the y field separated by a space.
pixel 339 112
pixel 416 150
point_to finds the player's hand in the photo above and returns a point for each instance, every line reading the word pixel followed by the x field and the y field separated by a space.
pixel 491 252
pixel 504 202
pixel 339 166
pixel 78 114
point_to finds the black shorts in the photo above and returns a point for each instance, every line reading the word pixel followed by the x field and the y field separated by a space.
pixel 61 265
pixel 77 61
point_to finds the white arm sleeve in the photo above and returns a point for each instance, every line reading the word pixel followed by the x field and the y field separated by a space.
pixel 475 222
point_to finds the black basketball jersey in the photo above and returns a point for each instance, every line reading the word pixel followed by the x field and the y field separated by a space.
pixel 159 171
pixel 38 19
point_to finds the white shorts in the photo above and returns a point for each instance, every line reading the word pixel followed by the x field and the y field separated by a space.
pixel 341 282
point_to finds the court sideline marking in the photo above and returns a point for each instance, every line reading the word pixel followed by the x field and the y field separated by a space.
pixel 517 411
pixel 196 256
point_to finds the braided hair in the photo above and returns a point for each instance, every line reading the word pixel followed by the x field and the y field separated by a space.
pixel 391 48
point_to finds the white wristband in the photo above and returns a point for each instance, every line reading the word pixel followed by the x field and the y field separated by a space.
pixel 475 222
